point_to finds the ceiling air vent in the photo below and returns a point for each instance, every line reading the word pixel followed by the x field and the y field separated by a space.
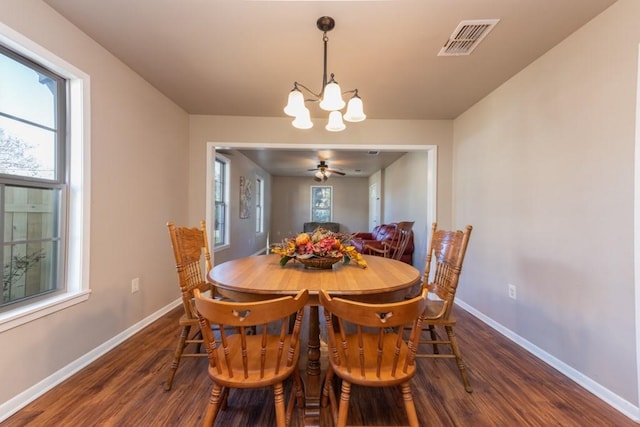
pixel 467 36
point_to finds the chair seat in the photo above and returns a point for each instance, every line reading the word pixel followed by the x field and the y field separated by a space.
pixel 187 321
pixel 370 345
pixel 434 308
pixel 254 374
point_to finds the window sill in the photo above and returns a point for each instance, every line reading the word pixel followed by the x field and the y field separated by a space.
pixel 221 247
pixel 20 316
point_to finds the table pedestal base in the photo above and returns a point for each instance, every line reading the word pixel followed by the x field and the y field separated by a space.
pixel 311 376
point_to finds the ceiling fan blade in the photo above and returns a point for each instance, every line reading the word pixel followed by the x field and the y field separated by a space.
pixel 314 169
pixel 335 171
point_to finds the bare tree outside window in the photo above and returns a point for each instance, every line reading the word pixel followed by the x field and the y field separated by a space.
pixel 16 157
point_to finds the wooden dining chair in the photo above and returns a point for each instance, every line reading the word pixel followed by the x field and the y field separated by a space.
pixel 240 359
pixel 367 348
pixel 191 250
pixel 394 248
pixel 446 251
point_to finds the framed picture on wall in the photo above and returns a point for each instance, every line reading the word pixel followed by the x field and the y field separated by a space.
pixel 321 203
pixel 245 197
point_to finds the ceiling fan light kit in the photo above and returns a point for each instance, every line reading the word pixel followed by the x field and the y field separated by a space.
pixel 323 172
pixel 329 98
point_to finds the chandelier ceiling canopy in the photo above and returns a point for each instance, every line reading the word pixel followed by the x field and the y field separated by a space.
pixel 329 98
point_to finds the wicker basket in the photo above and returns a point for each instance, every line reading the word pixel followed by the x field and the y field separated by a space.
pixel 321 263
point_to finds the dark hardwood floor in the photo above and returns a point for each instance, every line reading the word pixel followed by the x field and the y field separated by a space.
pixel 511 388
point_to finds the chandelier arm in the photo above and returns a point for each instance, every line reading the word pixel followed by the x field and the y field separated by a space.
pixel 317 96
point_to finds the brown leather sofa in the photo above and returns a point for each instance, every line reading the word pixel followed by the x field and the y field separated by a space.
pixel 380 233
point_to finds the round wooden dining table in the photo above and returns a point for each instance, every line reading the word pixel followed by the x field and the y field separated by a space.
pixel 262 276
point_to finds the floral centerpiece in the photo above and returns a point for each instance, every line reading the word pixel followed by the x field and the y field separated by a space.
pixel 320 249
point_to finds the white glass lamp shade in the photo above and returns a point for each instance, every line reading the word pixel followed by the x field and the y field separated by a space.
pixel 332 99
pixel 319 175
pixel 335 122
pixel 295 103
pixel 303 120
pixel 355 112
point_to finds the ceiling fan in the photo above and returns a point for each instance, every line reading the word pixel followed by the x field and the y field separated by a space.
pixel 323 172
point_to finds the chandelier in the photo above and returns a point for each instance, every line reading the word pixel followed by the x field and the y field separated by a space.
pixel 329 98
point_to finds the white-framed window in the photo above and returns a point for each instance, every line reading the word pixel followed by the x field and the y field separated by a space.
pixel 321 203
pixel 259 205
pixel 221 201
pixel 44 181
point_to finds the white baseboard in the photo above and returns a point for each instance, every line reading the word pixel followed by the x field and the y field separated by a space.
pixel 13 405
pixel 617 402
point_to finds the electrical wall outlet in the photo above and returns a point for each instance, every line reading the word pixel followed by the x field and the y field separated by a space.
pixel 135 285
pixel 512 291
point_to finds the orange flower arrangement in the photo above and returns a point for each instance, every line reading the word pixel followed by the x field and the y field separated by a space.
pixel 321 243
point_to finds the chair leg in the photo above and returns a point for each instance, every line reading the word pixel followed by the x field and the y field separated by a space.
pixel 176 357
pixel 327 389
pixel 213 406
pixel 299 389
pixel 409 405
pixel 434 337
pixel 329 395
pixel 343 411
pixel 456 351
pixel 224 398
pixel 278 400
pixel 198 336
pixel 297 395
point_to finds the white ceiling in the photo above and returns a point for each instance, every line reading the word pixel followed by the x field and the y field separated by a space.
pixel 241 57
pixel 355 164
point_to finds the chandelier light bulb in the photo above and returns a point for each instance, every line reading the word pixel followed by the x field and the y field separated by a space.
pixel 303 120
pixel 295 104
pixel 332 100
pixel 355 112
pixel 335 122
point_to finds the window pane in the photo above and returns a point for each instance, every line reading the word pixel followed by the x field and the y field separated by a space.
pixel 26 150
pixel 219 181
pixel 219 224
pixel 321 216
pixel 31 242
pixel 28 270
pixel 26 93
pixel 321 204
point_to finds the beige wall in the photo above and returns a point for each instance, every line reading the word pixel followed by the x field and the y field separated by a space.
pixel 544 170
pixel 138 181
pixel 291 204
pixel 405 200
